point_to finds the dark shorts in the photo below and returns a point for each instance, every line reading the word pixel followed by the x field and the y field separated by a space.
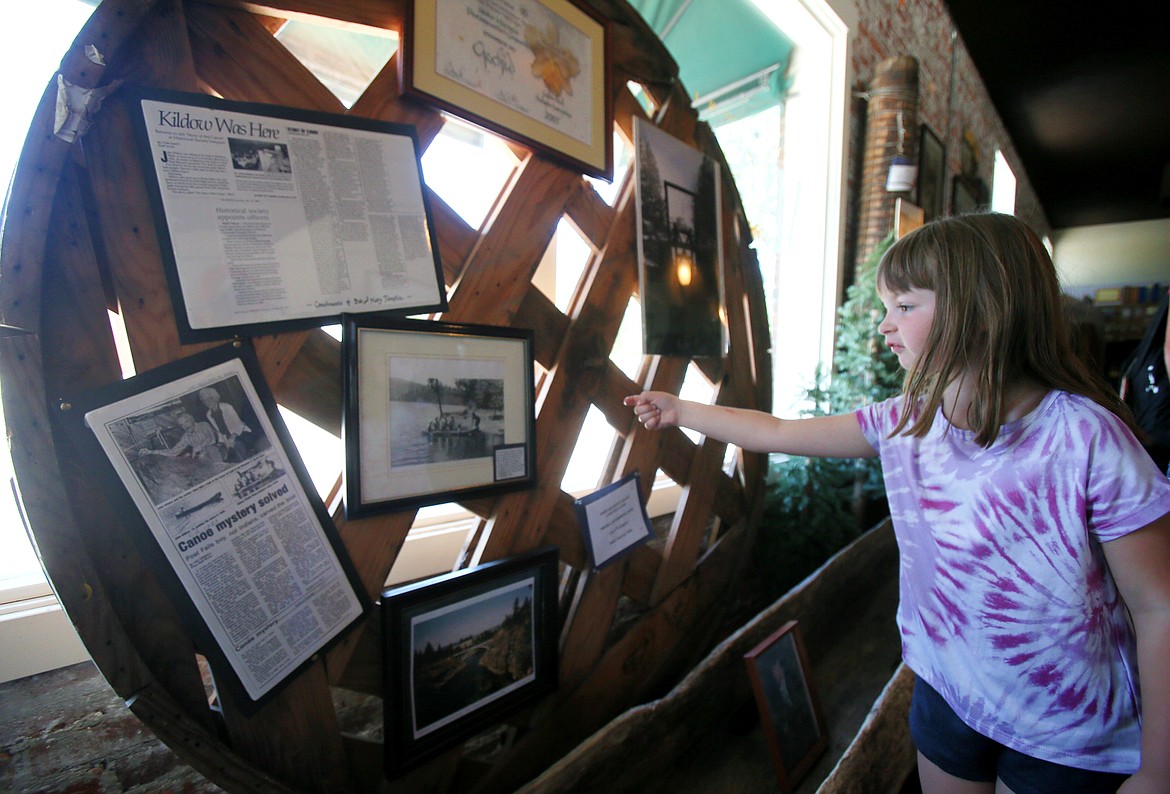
pixel 946 741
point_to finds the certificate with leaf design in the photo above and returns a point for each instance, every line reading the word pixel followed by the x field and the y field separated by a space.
pixel 536 71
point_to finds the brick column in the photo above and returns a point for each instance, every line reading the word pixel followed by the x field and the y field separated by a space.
pixel 894 89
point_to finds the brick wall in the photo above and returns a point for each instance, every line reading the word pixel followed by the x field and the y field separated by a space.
pixel 949 102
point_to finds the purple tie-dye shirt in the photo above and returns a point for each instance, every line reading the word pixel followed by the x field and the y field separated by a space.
pixel 1007 607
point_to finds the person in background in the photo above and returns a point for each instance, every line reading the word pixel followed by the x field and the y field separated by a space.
pixel 1145 386
pixel 1031 524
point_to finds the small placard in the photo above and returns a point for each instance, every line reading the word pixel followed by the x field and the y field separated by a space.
pixel 511 461
pixel 613 520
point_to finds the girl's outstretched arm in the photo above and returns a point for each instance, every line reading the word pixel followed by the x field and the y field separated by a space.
pixel 837 436
pixel 1139 562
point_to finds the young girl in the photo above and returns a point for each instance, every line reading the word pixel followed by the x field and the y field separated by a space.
pixel 1034 530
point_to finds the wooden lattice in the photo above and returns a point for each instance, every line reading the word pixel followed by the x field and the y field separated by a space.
pixel 79 239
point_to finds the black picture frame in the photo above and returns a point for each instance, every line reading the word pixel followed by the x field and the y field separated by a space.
pixel 932 174
pixel 263 229
pixel 185 510
pixel 458 621
pixel 434 412
pixel 968 195
pixel 790 713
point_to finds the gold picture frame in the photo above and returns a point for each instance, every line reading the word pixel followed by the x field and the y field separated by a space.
pixel 537 72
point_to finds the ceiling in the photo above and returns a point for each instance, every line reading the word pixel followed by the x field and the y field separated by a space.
pixel 1084 92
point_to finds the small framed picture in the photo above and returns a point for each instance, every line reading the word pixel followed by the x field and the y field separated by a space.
pixel 465 650
pixel 789 711
pixel 535 71
pixel 434 412
pixel 932 174
pixel 969 195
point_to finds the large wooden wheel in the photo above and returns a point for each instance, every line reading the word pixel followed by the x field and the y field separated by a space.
pixel 79 239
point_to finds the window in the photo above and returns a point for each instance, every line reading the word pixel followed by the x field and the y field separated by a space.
pixel 1003 186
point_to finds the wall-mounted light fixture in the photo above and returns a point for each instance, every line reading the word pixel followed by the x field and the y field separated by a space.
pixel 903 171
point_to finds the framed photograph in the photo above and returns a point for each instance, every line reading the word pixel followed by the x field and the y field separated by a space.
pixel 535 71
pixel 272 219
pixel 680 250
pixel 197 450
pixel 465 650
pixel 789 711
pixel 434 412
pixel 932 174
pixel 969 195
pixel 613 520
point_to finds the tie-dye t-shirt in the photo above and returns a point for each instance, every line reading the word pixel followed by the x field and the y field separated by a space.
pixel 1007 607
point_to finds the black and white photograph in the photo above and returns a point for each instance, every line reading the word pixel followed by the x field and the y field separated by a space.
pixel 178 445
pixel 680 251
pixel 466 649
pixel 445 410
pixel 434 412
pixel 250 155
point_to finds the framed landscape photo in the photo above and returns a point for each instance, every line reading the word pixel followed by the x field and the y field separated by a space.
pixel 790 713
pixel 434 412
pixel 535 71
pixel 271 219
pixel 465 650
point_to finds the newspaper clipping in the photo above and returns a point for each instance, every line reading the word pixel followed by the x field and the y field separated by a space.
pixel 201 461
pixel 272 219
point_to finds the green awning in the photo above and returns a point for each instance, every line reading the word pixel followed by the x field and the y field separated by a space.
pixel 731 58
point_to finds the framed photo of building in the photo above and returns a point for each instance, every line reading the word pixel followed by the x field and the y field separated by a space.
pixel 535 71
pixel 195 454
pixel 434 412
pixel 465 650
pixel 789 710
pixel 680 248
pixel 271 219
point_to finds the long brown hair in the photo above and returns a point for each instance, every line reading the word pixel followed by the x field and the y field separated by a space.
pixel 998 315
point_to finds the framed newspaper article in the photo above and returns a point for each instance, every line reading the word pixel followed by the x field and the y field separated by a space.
pixel 197 450
pixel 535 71
pixel 434 412
pixel 272 219
pixel 464 650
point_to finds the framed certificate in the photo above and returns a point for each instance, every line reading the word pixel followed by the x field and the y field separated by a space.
pixel 535 71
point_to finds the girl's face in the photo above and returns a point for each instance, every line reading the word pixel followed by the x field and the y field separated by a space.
pixel 906 325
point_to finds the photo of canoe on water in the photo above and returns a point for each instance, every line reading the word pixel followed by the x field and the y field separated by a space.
pixel 470 654
pixel 438 418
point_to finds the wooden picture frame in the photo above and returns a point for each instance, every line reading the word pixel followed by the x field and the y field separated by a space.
pixel 196 455
pixel 464 650
pixel 790 713
pixel 535 71
pixel 434 412
pixel 264 229
pixel 932 174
